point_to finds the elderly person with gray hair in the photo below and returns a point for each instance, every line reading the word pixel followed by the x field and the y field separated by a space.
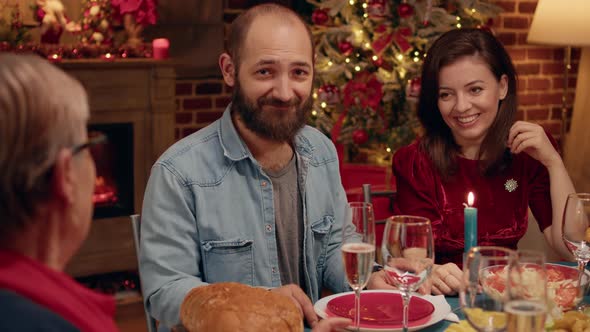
pixel 46 183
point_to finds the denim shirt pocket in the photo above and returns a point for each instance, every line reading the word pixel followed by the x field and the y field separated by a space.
pixel 228 260
pixel 321 230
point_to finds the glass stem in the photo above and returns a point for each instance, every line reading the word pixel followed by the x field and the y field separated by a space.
pixel 357 309
pixel 406 299
pixel 581 271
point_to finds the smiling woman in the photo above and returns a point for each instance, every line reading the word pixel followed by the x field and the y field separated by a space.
pixel 472 143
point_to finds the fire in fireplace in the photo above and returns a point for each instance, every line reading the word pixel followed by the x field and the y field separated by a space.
pixel 113 192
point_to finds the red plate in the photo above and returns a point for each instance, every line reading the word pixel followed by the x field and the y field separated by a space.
pixel 380 308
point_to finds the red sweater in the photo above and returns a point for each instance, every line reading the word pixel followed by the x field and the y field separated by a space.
pixel 84 308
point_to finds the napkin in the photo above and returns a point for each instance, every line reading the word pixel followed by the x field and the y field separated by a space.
pixel 439 300
pixel 452 317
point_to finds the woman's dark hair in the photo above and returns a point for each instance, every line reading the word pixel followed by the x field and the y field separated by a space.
pixel 438 141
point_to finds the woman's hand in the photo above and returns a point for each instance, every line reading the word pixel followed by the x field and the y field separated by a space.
pixel 531 139
pixel 379 280
pixel 446 279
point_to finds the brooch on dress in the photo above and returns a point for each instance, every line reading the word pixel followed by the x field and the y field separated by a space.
pixel 510 185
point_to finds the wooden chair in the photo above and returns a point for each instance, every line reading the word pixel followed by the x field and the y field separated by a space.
pixel 381 215
pixel 136 224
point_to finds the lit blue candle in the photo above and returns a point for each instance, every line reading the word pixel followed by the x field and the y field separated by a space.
pixel 470 215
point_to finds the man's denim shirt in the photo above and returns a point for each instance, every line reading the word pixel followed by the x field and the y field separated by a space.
pixel 208 216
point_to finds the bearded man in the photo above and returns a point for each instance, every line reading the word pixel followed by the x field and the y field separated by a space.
pixel 256 196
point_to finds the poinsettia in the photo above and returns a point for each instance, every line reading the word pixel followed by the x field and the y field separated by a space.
pixel 364 90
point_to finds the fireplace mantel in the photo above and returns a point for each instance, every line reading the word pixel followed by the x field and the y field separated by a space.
pixel 139 92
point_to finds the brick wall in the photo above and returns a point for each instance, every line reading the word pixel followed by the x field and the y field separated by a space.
pixel 540 69
pixel 200 102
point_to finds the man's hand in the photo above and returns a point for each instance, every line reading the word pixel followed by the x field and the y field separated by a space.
pixel 331 324
pixel 301 300
pixel 378 280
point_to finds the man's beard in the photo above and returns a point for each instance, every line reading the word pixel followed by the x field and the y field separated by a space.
pixel 276 125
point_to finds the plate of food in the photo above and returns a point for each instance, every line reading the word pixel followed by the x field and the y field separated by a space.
pixel 562 283
pixel 381 310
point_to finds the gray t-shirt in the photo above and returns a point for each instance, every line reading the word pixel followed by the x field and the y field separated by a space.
pixel 288 223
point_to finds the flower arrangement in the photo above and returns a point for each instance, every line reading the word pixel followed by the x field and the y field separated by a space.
pixel 369 54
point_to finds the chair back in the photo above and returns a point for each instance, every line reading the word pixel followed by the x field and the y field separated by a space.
pixel 136 224
pixel 383 208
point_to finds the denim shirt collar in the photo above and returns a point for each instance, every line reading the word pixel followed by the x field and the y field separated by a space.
pixel 235 148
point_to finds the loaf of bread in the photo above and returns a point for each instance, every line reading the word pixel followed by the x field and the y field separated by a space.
pixel 230 306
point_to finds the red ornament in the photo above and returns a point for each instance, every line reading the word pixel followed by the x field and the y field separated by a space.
pixel 377 62
pixel 360 136
pixel 4 46
pixel 320 16
pixel 329 93
pixel 377 8
pixel 413 89
pixel 345 47
pixel 404 10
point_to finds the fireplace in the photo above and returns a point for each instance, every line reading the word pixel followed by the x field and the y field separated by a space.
pixel 113 192
pixel 132 103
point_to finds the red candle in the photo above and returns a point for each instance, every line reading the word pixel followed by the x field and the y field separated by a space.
pixel 160 48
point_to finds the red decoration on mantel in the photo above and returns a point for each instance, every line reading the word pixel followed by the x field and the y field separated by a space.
pixel 81 51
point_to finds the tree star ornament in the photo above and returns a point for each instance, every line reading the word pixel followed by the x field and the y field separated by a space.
pixel 510 185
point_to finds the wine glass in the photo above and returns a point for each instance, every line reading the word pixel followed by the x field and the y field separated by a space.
pixel 576 230
pixel 485 287
pixel 358 250
pixel 408 254
pixel 526 308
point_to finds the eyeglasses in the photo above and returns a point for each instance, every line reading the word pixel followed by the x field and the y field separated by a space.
pixel 92 141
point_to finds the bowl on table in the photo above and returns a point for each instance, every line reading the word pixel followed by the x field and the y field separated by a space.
pixel 563 293
pixel 562 286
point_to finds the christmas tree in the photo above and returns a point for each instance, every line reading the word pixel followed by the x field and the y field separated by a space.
pixel 369 55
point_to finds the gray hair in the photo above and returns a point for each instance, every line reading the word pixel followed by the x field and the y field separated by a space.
pixel 42 110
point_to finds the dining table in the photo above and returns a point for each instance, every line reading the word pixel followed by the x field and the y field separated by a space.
pixel 453 301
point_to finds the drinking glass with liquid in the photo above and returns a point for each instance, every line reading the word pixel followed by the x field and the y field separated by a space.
pixel 358 250
pixel 526 308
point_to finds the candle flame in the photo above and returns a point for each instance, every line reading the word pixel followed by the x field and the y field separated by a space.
pixel 470 199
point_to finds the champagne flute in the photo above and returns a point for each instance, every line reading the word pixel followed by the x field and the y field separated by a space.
pixel 576 230
pixel 485 287
pixel 526 308
pixel 408 254
pixel 358 250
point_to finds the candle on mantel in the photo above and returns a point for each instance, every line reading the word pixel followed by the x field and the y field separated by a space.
pixel 55 57
pixel 470 215
pixel 160 48
pixel 108 57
